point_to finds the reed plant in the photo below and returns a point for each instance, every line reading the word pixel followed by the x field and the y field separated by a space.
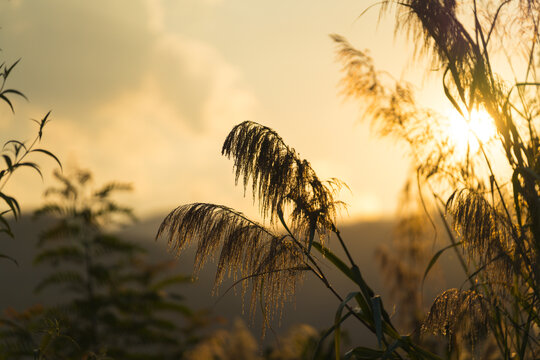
pixel 269 261
pixel 486 196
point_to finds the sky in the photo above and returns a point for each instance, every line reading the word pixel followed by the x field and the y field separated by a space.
pixel 145 92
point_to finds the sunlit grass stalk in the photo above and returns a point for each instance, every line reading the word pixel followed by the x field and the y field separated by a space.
pixel 280 179
pixel 504 255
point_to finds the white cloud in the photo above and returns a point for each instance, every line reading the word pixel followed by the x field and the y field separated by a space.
pixel 199 84
pixel 78 56
pixel 131 101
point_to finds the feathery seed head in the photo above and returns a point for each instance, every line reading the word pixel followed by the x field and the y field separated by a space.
pixel 273 264
pixel 280 179
pixel 458 313
pixel 485 232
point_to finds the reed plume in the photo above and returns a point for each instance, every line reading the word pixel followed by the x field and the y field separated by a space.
pixel 271 262
pixel 486 234
pixel 461 313
pixel 393 111
pixel 281 181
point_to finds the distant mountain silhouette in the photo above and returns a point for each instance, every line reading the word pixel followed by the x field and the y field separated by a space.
pixel 313 304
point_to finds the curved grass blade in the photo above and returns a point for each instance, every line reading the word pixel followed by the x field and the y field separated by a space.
pixel 12 203
pixel 48 153
pixel 390 349
pixel 7 257
pixel 16 143
pixel 7 101
pixel 32 165
pixel 327 333
pixel 435 258
pixel 8 162
pixel 376 306
pixel 334 259
pixel 338 321
pixel 16 92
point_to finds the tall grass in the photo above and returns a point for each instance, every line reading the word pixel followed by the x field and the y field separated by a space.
pixel 491 217
pixel 271 260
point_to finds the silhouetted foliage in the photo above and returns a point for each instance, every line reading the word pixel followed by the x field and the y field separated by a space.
pixel 487 199
pixel 115 304
pixel 491 216
pixel 286 186
pixel 16 155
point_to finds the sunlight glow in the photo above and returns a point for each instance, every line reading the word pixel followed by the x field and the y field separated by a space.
pixel 465 134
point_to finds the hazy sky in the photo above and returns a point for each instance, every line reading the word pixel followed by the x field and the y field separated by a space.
pixel 146 92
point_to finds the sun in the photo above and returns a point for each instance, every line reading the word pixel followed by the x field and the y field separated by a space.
pixel 467 134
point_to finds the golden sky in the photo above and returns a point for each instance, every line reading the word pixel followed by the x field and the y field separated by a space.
pixel 145 91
